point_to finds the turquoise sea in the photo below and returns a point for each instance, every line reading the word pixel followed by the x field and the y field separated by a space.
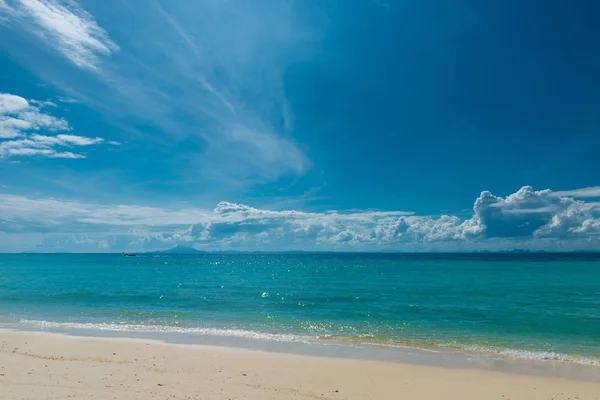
pixel 518 305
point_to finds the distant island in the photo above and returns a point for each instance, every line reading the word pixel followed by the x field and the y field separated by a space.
pixel 178 250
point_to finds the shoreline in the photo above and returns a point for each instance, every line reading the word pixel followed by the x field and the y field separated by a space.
pixel 326 348
pixel 48 365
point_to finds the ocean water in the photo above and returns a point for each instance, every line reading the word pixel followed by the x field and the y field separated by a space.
pixel 544 306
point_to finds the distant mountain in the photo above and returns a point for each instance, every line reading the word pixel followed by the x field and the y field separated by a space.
pixel 178 250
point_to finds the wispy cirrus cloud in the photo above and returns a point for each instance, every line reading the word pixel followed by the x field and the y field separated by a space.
pixel 3 11
pixel 61 213
pixel 20 120
pixel 227 63
pixel 214 79
pixel 42 103
pixel 67 100
pixel 593 191
pixel 66 27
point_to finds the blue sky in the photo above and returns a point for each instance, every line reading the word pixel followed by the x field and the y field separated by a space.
pixel 359 125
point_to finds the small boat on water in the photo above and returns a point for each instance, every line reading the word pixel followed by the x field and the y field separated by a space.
pixel 129 254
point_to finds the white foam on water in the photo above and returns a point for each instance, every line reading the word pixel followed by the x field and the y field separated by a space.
pixel 158 328
pixel 535 355
pixel 283 337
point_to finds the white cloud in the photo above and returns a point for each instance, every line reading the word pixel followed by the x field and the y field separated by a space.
pixel 63 140
pixel 529 213
pixel 63 213
pixel 256 151
pixel 11 127
pixel 17 115
pixel 67 100
pixel 241 91
pixel 222 98
pixel 517 215
pixel 42 103
pixel 67 154
pixel 577 219
pixel 593 191
pixel 19 119
pixel 65 26
pixel 9 103
pixel 231 225
pixel 24 151
pixel 40 145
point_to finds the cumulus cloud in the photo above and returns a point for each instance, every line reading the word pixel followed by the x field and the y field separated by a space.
pixel 20 119
pixel 523 217
pixel 66 27
pixel 576 220
pixel 10 103
pixel 519 214
pixel 533 213
pixel 17 116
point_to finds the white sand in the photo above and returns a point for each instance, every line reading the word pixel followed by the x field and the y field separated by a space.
pixel 47 366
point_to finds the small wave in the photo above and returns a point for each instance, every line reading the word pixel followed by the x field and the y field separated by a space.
pixel 436 347
pixel 321 337
pixel 535 355
pixel 158 327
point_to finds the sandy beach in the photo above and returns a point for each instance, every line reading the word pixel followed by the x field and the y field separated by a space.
pixel 48 366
